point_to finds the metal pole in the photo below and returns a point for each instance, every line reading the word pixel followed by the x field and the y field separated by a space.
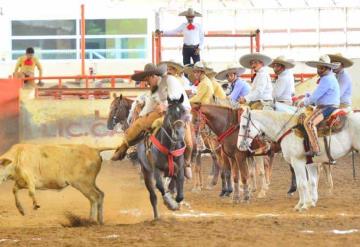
pixel 82 31
pixel 257 41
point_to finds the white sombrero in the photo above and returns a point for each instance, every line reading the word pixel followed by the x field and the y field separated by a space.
pixel 325 61
pixel 339 58
pixel 149 69
pixel 190 12
pixel 173 64
pixel 288 63
pixel 232 69
pixel 246 59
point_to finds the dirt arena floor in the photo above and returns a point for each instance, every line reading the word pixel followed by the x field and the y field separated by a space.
pixel 208 221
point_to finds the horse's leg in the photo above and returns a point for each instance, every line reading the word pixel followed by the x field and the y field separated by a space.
pixel 263 185
pixel 302 184
pixel 168 200
pixel 292 188
pixel 328 176
pixel 196 184
pixel 180 182
pixel 216 169
pixel 313 182
pixel 227 169
pixel 268 164
pixel 252 171
pixel 236 174
pixel 244 171
pixel 150 187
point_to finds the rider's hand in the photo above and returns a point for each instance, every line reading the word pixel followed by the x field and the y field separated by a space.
pixel 158 32
pixel 160 108
pixel 197 51
pixel 242 100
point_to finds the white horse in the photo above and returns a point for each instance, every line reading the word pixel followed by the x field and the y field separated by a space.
pixel 275 124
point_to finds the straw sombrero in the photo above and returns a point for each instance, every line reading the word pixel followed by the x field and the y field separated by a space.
pixel 176 65
pixel 325 61
pixel 339 58
pixel 289 64
pixel 190 12
pixel 246 59
pixel 149 69
pixel 232 69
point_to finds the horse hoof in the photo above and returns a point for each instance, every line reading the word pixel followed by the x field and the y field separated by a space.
pixel 228 193
pixel 222 193
pixel 261 194
pixel 170 203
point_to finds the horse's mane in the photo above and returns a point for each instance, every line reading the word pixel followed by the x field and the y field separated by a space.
pixel 278 116
pixel 217 106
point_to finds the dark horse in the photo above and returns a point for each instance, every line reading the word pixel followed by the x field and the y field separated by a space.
pixel 154 162
pixel 119 111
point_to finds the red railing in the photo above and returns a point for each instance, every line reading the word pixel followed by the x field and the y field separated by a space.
pixel 157 50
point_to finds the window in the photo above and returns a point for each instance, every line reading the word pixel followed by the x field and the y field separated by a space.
pixel 45 28
pixel 116 26
pixel 59 39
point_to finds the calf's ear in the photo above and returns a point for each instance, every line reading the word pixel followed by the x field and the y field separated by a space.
pixel 5 161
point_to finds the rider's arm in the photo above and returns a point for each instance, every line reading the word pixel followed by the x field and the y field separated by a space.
pixel 258 88
pixel 321 89
pixel 201 92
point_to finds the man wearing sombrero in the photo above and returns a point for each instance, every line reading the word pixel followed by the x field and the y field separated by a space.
pixel 162 87
pixel 326 98
pixel 343 78
pixel 177 70
pixel 261 88
pixel 219 92
pixel 238 87
pixel 205 90
pixel 284 86
pixel 193 36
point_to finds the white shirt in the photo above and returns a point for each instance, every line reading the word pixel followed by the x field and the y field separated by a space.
pixel 261 88
pixel 141 99
pixel 169 86
pixel 191 37
pixel 284 86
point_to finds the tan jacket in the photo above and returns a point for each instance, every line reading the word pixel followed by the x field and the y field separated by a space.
pixel 205 91
pixel 218 90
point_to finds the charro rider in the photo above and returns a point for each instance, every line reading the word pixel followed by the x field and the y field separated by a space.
pixel 193 36
pixel 343 78
pixel 326 98
pixel 161 86
pixel 177 70
pixel 260 94
pixel 219 92
pixel 238 87
pixel 284 85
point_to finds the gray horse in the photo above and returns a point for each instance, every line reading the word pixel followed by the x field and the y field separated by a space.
pixel 154 162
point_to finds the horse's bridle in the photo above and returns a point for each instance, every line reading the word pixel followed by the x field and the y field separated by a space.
pixel 247 132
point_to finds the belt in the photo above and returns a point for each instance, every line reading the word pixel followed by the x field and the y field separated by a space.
pixel 191 46
pixel 325 106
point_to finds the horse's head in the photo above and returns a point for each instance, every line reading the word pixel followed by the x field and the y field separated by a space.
pixel 175 118
pixel 119 110
pixel 248 131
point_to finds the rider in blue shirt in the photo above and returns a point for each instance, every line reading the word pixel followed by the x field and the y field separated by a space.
pixel 326 98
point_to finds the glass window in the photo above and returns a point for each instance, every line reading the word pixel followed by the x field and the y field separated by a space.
pixel 116 26
pixel 97 48
pixel 43 27
pixel 46 48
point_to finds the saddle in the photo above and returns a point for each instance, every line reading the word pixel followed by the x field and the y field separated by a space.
pixel 330 125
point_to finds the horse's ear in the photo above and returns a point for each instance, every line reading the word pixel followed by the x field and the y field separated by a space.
pixel 181 100
pixel 114 95
pixel 120 96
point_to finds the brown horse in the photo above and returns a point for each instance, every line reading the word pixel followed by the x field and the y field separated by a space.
pixel 224 122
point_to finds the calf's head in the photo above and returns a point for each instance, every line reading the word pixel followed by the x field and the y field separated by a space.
pixel 6 169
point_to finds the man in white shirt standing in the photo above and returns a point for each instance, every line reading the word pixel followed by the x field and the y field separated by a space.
pixel 193 36
pixel 284 85
pixel 261 88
